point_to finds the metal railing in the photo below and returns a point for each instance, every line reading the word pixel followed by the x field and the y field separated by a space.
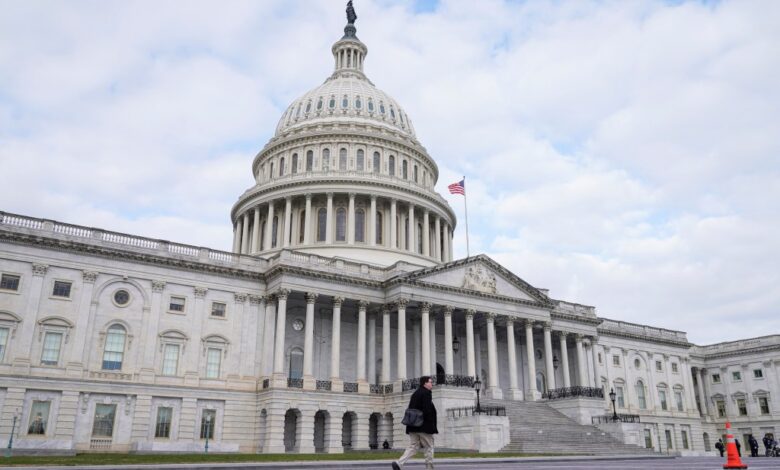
pixel 324 385
pixel 473 410
pixel 572 392
pixel 378 389
pixel 621 418
pixel 294 383
pixel 449 380
pixel 351 387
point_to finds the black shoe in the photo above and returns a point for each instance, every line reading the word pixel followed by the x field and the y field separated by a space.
pixel 396 467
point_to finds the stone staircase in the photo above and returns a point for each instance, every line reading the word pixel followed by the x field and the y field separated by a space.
pixel 536 427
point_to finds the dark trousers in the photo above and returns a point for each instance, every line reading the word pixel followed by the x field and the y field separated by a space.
pixel 721 452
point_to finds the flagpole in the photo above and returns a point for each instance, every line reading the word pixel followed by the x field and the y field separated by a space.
pixel 466 206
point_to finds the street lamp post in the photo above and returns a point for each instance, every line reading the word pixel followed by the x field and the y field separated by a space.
pixel 478 387
pixel 208 431
pixel 614 411
pixel 8 450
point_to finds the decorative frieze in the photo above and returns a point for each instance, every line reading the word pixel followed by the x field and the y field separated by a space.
pixel 39 270
pixel 89 277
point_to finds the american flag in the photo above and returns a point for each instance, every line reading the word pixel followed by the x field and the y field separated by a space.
pixel 458 188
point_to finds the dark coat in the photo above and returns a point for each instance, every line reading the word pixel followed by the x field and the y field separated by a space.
pixel 422 399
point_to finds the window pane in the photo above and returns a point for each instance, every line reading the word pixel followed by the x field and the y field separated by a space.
pixel 163 426
pixel 274 230
pixel 379 228
pixel 679 399
pixel 360 226
pixel 61 289
pixel 341 224
pixel 391 165
pixel 377 164
pixel 115 348
pixel 322 217
pixel 343 159
pixel 207 423
pixel 51 349
pixel 39 417
pixel 325 160
pixel 218 309
pixel 9 282
pixel 3 342
pixel 296 364
pixel 103 425
pixel 170 359
pixel 177 304
pixel 361 160
pixel 213 360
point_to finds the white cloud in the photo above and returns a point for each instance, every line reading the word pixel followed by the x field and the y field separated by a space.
pixel 622 154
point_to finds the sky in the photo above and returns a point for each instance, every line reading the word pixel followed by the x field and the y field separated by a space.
pixel 623 154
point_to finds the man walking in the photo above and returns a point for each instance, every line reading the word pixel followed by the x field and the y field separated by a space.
pixel 421 437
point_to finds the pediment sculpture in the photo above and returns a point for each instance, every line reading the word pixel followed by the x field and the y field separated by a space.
pixel 480 279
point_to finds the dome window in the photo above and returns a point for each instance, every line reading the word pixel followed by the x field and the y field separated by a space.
pixel 319 104
pixel 281 166
pixel 343 159
pixel 298 111
pixel 332 102
pixel 401 115
pixel 294 168
pixel 381 108
pixel 358 103
pixel 377 162
pixel 370 105
pixel 361 160
pixel 310 160
pixel 308 107
pixel 344 102
pixel 392 113
pixel 325 159
pixel 341 224
pixel 391 165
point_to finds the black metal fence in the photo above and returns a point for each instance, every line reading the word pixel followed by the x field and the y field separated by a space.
pixel 621 418
pixel 449 380
pixel 473 410
pixel 324 385
pixel 351 387
pixel 294 383
pixel 381 389
pixel 572 392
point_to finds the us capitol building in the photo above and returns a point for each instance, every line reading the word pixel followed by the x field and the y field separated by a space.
pixel 340 291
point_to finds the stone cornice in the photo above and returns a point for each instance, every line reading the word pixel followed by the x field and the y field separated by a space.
pixel 281 269
pixel 644 338
pixel 742 352
pixel 465 292
pixel 575 318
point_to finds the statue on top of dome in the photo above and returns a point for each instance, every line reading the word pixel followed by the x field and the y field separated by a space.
pixel 351 15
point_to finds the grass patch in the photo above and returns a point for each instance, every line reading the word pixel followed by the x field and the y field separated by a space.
pixel 150 459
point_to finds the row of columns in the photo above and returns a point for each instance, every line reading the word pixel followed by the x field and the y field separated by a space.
pixel 427 346
pixel 248 242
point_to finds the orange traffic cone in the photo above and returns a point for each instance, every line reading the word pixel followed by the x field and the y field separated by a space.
pixel 733 460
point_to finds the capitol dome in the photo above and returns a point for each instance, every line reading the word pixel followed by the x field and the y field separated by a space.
pixel 344 176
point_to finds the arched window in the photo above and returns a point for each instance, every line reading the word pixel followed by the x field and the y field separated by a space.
pixel 271 172
pixel 308 107
pixel 294 168
pixel 341 224
pixel 358 103
pixel 391 165
pixel 343 159
pixel 296 363
pixel 325 159
pixel 281 166
pixel 274 229
pixel 415 173
pixel 381 108
pixel 301 226
pixel 332 103
pixel 319 104
pixel 344 102
pixel 360 226
pixel 541 382
pixel 640 394
pixel 407 242
pixel 419 238
pixel 298 111
pixel 392 113
pixel 114 351
pixel 309 160
pixel 370 105
pixel 377 162
pixel 404 169
pixel 361 160
pixel 322 223
pixel 378 228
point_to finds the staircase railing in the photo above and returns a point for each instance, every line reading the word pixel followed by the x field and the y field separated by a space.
pixel 571 392
pixel 473 410
pixel 621 418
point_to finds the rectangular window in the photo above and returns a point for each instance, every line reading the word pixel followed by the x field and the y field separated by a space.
pixel 659 366
pixel 9 282
pixel 218 309
pixel 61 289
pixel 213 360
pixel 103 426
pixel 3 342
pixel 721 405
pixel 736 376
pixel 615 360
pixel 170 359
pixel 621 401
pixel 674 367
pixel 39 417
pixel 51 349
pixel 177 304
pixel 207 422
pixel 758 374
pixel 742 406
pixel 678 397
pixel 763 403
pixel 684 435
pixel 600 358
pixel 669 442
pixel 716 378
pixel 648 439
pixel 163 427
pixel 662 399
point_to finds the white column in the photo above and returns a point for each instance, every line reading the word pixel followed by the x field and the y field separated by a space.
pixel 594 340
pixel 335 352
pixel 287 221
pixel 493 391
pixel 690 391
pixel 402 338
pixel 426 234
pixel 425 332
pixel 393 225
pixel 269 226
pixel 565 360
pixel 445 255
pixel 437 238
pixel 361 342
pixel 308 343
pixel 281 324
pixel 245 234
pixel 385 344
pixel 237 236
pixel 412 242
pixel 705 407
pixel 448 363
pixel 531 355
pixel 256 231
pixel 372 224
pixel 449 243
pixel 329 220
pixel 514 392
pixel 470 359
pixel 371 345
pixel 351 220
pixel 307 221
pixel 548 356
pixel 582 379
pixel 433 344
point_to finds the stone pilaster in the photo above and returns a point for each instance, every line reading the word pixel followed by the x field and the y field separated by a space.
pixel 309 382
